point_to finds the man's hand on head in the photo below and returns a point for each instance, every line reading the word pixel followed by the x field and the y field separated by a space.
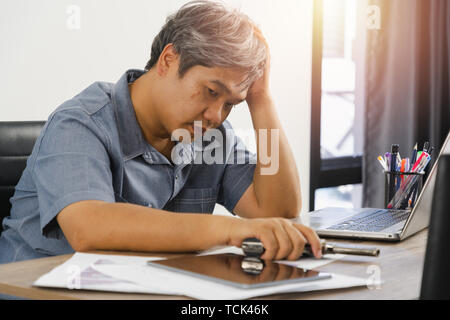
pixel 260 88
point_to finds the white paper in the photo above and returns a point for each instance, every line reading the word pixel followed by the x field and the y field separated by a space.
pixel 131 274
pixel 78 273
pixel 148 276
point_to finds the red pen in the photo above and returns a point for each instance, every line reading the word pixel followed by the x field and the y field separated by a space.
pixel 418 161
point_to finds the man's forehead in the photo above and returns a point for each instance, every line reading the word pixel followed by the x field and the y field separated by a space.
pixel 233 81
pixel 229 88
pixel 231 77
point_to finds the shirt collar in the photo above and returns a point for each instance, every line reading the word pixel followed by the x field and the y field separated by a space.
pixel 130 134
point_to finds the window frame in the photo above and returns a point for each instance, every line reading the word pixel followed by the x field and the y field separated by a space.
pixel 331 172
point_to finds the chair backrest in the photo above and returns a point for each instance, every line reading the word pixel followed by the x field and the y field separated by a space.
pixel 436 277
pixel 16 143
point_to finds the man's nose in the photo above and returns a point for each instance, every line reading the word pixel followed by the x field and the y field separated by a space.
pixel 213 114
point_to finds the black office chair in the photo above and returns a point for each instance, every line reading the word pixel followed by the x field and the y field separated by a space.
pixel 16 143
pixel 436 271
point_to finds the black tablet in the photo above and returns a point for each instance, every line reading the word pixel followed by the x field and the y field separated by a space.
pixel 239 271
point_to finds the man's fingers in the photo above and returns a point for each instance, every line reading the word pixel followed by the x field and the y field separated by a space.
pixel 312 238
pixel 270 244
pixel 285 244
pixel 298 242
pixel 284 239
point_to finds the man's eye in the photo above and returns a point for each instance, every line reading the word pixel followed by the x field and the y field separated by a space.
pixel 212 92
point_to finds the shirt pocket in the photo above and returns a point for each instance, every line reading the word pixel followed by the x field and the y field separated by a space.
pixel 195 200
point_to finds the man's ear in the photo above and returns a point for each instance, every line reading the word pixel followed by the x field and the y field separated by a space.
pixel 168 61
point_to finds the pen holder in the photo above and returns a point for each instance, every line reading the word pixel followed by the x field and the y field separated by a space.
pixel 402 189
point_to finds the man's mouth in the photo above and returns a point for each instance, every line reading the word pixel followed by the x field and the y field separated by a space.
pixel 199 128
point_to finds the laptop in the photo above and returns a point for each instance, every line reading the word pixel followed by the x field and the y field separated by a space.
pixel 379 224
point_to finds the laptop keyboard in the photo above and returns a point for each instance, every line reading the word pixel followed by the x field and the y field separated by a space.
pixel 373 221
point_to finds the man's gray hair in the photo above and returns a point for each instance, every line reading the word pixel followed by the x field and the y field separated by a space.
pixel 210 34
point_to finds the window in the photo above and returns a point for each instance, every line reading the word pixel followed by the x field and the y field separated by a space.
pixel 337 104
pixel 343 196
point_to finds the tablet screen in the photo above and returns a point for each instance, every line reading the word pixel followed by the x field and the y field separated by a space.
pixel 239 271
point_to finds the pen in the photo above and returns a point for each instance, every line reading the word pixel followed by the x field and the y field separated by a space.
pixel 387 155
pixel 430 153
pixel 383 164
pixel 409 186
pixel 421 168
pixel 394 154
pixel 407 165
pixel 413 194
pixel 418 162
pixel 426 145
pixel 414 155
pixel 410 165
pixel 393 169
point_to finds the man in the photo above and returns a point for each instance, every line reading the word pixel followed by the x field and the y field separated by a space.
pixel 105 173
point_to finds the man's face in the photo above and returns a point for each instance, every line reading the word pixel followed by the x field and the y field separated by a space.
pixel 202 94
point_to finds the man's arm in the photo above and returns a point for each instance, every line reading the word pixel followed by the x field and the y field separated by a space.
pixel 273 193
pixel 96 225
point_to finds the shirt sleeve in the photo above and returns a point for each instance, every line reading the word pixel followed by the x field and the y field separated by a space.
pixel 72 164
pixel 239 171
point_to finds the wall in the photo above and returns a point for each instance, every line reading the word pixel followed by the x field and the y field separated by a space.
pixel 47 56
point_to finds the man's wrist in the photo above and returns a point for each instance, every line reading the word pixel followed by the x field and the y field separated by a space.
pixel 221 229
pixel 260 100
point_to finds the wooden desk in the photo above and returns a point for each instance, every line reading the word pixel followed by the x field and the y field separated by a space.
pixel 400 265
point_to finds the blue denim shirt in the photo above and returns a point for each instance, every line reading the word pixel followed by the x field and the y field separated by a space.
pixel 92 148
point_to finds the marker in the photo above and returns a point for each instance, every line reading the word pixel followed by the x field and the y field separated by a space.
pixel 402 169
pixel 419 154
